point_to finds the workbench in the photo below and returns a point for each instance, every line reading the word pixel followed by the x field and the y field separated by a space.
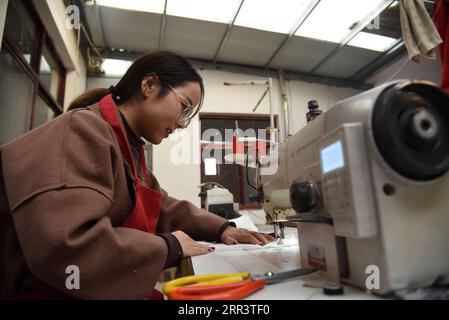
pixel 272 257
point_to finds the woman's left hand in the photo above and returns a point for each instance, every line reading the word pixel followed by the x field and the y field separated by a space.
pixel 234 235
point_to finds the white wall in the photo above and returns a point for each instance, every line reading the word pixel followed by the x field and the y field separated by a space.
pixel 75 83
pixel 242 99
pixel 406 69
pixel 302 92
pixel 101 82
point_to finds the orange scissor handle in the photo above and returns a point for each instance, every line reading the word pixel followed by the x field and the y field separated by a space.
pixel 229 291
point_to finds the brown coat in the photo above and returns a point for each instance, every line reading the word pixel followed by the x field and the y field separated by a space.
pixel 63 200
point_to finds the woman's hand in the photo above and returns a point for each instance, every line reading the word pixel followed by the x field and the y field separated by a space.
pixel 234 235
pixel 189 246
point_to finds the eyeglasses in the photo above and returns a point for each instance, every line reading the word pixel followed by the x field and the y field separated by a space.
pixel 187 112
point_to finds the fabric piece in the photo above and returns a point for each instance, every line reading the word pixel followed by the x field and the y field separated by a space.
pixel 418 31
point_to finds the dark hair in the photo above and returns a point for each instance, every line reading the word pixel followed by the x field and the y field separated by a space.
pixel 170 68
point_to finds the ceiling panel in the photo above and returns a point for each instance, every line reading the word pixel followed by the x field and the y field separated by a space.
pixel 140 32
pixel 347 61
pixel 250 46
pixel 193 38
pixel 131 30
pixel 301 54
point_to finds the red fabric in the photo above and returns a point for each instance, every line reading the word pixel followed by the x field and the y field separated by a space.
pixel 145 214
pixel 441 20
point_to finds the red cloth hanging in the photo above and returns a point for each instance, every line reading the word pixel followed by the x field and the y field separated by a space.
pixel 441 20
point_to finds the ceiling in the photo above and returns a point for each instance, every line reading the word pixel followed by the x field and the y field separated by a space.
pixel 124 34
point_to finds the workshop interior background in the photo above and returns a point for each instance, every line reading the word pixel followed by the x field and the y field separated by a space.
pixel 53 50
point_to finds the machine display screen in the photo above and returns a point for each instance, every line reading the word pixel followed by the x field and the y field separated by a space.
pixel 332 157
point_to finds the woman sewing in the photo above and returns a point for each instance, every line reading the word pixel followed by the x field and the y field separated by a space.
pixel 75 192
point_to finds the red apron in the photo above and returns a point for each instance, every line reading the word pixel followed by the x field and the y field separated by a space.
pixel 145 215
pixel 146 212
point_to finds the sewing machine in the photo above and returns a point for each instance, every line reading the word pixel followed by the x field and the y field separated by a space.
pixel 219 200
pixel 368 181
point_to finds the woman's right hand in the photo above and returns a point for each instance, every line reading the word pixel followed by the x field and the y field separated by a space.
pixel 189 246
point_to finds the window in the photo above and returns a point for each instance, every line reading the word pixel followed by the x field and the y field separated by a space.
pixel 51 73
pixel 42 112
pixel 32 77
pixel 21 30
pixel 14 108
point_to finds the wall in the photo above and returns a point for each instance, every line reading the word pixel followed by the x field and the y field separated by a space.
pixel 405 69
pixel 75 83
pixel 100 82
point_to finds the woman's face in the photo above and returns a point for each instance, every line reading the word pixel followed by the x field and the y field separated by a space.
pixel 159 114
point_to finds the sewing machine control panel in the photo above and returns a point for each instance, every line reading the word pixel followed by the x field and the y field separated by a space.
pixel 346 182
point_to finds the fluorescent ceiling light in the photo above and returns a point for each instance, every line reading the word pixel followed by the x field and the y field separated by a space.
pixel 371 41
pixel 269 15
pixel 156 6
pixel 208 10
pixel 332 20
pixel 210 167
pixel 113 67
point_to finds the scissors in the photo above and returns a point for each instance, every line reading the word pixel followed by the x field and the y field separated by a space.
pixel 225 286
